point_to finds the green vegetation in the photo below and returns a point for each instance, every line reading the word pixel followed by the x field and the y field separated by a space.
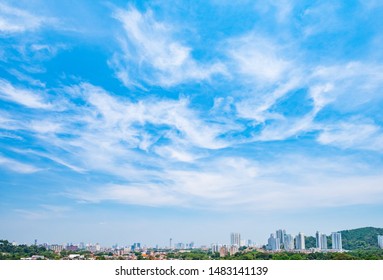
pixel 310 242
pixel 13 252
pixel 361 238
pixel 193 255
pixel 355 239
pixel 260 255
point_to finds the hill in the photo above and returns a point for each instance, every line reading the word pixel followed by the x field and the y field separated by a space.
pixel 354 239
pixel 361 238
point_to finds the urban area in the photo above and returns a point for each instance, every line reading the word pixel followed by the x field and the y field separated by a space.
pixel 361 243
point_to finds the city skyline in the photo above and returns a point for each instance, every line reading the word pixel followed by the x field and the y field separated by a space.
pixel 149 120
pixel 285 241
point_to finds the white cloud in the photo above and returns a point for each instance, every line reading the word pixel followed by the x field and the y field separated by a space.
pixel 51 157
pixel 123 120
pixel 260 59
pixel 22 96
pixel 23 77
pixel 139 195
pixel 152 54
pixel 44 211
pixel 291 182
pixel 257 107
pixel 281 9
pixel 176 153
pixel 355 134
pixel 348 85
pixel 17 166
pixel 14 20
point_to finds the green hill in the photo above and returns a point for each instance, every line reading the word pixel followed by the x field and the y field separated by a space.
pixel 354 239
pixel 361 238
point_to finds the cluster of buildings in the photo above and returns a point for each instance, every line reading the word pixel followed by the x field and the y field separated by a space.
pixel 280 241
pixel 235 243
pixel 285 241
pixel 57 248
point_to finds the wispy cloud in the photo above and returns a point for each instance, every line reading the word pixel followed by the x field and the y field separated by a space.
pixel 259 58
pixel 25 97
pixel 356 134
pixel 152 54
pixel 265 107
pixel 43 212
pixel 17 166
pixel 14 20
pixel 239 183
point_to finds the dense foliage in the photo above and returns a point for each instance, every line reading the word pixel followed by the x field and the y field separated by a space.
pixel 16 252
pixel 261 255
pixel 361 238
pixel 355 239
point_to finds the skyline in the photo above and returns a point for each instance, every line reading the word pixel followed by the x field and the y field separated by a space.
pixel 172 244
pixel 185 119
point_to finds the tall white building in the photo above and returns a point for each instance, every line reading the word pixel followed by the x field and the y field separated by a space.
pixel 336 238
pixel 318 240
pixel 289 242
pixel 273 243
pixel 323 238
pixel 380 241
pixel 281 233
pixel 300 241
pixel 235 239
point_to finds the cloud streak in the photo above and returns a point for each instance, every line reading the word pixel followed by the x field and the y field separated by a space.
pixel 152 54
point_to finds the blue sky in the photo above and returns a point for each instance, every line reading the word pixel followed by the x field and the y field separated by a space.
pixel 127 121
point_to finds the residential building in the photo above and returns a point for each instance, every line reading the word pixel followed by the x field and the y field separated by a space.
pixel 235 239
pixel 223 251
pixel 281 233
pixel 273 243
pixel 318 240
pixel 336 238
pixel 323 238
pixel 289 242
pixel 300 241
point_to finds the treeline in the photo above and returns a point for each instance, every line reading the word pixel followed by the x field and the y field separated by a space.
pixel 259 255
pixel 352 255
pixel 16 252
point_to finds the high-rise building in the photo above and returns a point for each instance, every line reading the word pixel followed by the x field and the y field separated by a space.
pixel 180 246
pixel 380 241
pixel 273 243
pixel 318 240
pixel 215 248
pixel 300 241
pixel 289 242
pixel 336 238
pixel 235 239
pixel 281 233
pixel 323 241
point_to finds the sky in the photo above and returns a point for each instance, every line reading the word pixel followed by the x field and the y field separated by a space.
pixel 140 121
